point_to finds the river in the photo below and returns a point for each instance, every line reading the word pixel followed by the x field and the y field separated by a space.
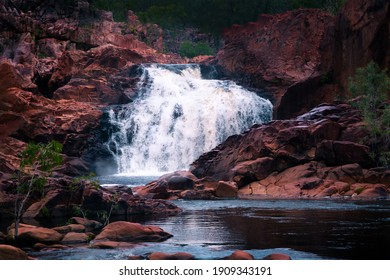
pixel 303 229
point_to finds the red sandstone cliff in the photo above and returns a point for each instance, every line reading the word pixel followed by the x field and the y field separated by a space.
pixel 59 66
pixel 362 35
pixel 305 57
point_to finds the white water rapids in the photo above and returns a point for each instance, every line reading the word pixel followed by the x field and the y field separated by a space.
pixel 177 116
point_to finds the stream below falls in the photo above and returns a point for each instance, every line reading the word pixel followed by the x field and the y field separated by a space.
pixel 303 229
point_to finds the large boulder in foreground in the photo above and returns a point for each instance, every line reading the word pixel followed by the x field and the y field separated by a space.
pixel 29 235
pixel 132 232
pixel 240 255
pixel 8 252
pixel 277 257
pixel 165 256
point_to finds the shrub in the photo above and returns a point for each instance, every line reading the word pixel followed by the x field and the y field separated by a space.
pixel 190 49
pixel 370 87
pixel 36 164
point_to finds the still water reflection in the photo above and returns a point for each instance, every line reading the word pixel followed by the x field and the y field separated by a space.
pixel 304 229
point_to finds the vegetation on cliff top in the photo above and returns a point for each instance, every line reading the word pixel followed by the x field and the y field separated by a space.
pixel 210 16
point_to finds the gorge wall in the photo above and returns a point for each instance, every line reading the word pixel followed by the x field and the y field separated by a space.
pixel 60 64
pixel 304 57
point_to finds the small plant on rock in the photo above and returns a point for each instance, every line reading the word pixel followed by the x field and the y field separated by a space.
pixel 36 164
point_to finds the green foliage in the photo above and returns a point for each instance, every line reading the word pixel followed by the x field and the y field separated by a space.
pixel 78 210
pixel 370 87
pixel 359 190
pixel 45 212
pixel 334 6
pixel 76 182
pixel 189 49
pixel 36 164
pixel 41 157
pixel 172 15
pixel 210 16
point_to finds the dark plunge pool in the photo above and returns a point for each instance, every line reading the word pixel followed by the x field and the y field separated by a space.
pixel 303 229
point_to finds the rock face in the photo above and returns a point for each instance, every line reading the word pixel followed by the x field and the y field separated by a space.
pixel 261 49
pixel 302 57
pixel 60 64
pixel 313 156
pixel 362 35
pixel 278 51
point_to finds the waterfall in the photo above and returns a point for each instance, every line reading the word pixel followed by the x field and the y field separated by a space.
pixel 177 116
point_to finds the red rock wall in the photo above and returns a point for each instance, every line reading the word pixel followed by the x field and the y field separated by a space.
pixel 59 66
pixel 298 54
pixel 362 35
pixel 278 51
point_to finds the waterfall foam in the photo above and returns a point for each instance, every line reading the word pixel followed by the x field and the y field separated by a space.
pixel 177 116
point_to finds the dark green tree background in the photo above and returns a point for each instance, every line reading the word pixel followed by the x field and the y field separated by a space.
pixel 210 16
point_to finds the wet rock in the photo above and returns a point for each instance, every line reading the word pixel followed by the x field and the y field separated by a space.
pixel 180 183
pixel 89 225
pixel 198 194
pixel 77 238
pixel 70 228
pixel 44 247
pixel 30 235
pixel 168 186
pixel 111 244
pixel 156 190
pixel 8 252
pixel 375 191
pixel 166 256
pixel 129 232
pixel 255 188
pixel 240 255
pixel 135 258
pixel 119 189
pixel 277 256
pixel 226 189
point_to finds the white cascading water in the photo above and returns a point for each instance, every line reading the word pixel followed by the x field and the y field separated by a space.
pixel 178 116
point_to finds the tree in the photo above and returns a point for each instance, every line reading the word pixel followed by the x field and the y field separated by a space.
pixel 370 86
pixel 36 164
